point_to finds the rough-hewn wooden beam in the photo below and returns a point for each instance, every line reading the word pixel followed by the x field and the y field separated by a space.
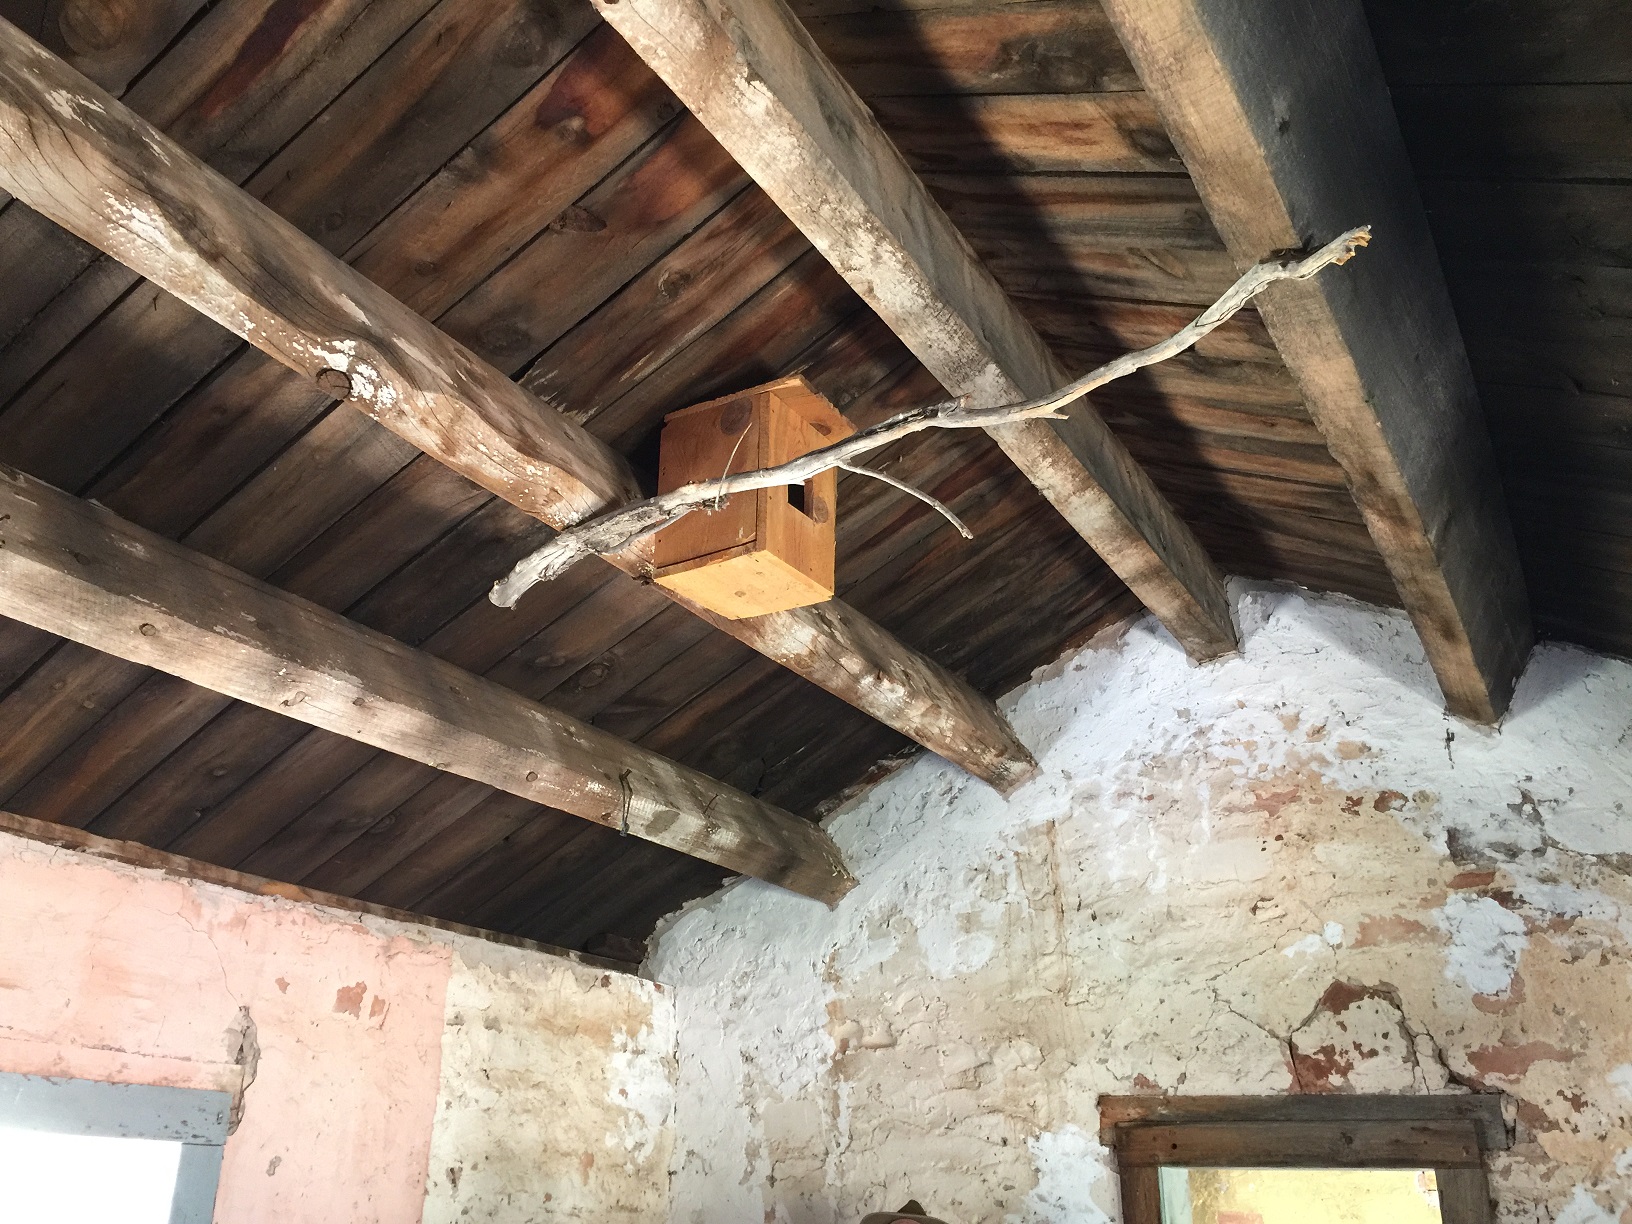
pixel 758 82
pixel 78 570
pixel 1281 112
pixel 76 155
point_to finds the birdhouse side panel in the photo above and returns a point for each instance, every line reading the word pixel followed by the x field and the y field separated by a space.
pixel 705 445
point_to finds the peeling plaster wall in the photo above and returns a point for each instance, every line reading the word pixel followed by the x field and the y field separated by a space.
pixel 384 1071
pixel 557 1091
pixel 1285 871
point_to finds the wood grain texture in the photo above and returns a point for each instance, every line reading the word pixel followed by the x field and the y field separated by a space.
pixel 1044 47
pixel 1291 1145
pixel 1289 139
pixel 758 82
pixel 110 41
pixel 1141 1194
pixel 98 169
pixel 1120 1115
pixel 1030 133
pixel 1464 1196
pixel 78 570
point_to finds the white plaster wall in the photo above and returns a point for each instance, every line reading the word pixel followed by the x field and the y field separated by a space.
pixel 1284 871
pixel 556 1094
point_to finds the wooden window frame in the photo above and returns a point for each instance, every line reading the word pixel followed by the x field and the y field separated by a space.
pixel 196 1118
pixel 1448 1134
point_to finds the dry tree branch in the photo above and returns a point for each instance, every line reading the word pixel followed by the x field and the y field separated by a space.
pixel 618 529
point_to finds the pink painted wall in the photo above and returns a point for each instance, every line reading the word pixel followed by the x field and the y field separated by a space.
pixel 109 972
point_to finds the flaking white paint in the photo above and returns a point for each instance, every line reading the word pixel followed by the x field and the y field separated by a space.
pixel 1485 942
pixel 556 1092
pixel 1453 898
pixel 1075 1179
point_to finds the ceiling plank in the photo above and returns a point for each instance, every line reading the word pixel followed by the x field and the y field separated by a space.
pixel 76 569
pixel 759 83
pixel 1282 115
pixel 81 158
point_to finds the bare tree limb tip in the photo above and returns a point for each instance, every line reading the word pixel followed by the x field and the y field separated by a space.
pixel 618 529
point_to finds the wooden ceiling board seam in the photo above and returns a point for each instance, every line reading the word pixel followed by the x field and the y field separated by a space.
pixel 522 860
pixel 640 875
pixel 526 871
pixel 381 803
pixel 735 252
pixel 198 326
pixel 577 263
pixel 225 753
pixel 454 848
pixel 22 647
pixel 278 794
pixel 165 99
pixel 400 834
pixel 1041 46
pixel 384 810
pixel 66 692
pixel 97 768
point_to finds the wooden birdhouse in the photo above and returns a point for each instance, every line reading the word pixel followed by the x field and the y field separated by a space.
pixel 763 551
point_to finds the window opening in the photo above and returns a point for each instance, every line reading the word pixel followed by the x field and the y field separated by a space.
pixel 1299 1196
pixel 86 1179
pixel 87 1152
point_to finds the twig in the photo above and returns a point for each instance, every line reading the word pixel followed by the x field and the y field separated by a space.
pixel 946 512
pixel 618 529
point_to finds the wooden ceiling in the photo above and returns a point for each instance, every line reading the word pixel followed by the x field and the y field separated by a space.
pixel 431 145
pixel 1518 119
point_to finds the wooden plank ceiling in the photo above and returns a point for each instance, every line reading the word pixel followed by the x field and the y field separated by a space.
pixel 1518 119
pixel 414 139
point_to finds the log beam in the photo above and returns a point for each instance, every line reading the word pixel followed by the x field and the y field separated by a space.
pixel 90 164
pixel 1282 115
pixel 751 73
pixel 77 570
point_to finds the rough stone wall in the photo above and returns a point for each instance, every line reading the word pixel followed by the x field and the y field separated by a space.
pixel 1285 871
pixel 557 1090
pixel 384 1071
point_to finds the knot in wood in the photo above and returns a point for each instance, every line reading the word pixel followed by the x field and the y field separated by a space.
pixel 336 382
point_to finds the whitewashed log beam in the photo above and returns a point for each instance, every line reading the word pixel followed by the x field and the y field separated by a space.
pixel 751 73
pixel 94 167
pixel 1282 115
pixel 77 570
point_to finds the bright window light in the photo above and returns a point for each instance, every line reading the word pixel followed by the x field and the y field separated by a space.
pixel 1299 1196
pixel 84 1179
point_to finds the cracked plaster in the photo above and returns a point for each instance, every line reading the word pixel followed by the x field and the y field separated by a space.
pixel 1288 870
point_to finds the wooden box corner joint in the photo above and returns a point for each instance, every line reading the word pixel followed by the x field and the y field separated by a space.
pixel 764 551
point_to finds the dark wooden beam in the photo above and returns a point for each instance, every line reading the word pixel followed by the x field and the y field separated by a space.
pixel 94 167
pixel 755 78
pixel 76 569
pixel 1281 113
